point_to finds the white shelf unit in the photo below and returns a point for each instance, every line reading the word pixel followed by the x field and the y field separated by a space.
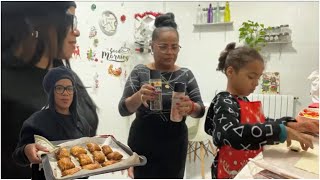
pixel 279 42
pixel 212 24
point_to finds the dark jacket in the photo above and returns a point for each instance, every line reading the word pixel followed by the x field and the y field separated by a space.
pixel 22 95
pixel 49 123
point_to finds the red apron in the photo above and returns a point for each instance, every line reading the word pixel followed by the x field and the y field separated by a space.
pixel 230 160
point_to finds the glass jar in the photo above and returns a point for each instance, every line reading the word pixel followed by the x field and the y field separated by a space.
pixel 267 38
pixel 276 30
pixel 286 37
pixel 281 37
pixel 268 31
pixel 285 28
pixel 271 39
pixel 276 37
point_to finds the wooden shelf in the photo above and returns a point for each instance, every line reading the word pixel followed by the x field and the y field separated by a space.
pixel 212 24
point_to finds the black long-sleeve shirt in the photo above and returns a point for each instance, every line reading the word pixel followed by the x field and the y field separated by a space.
pixel 223 123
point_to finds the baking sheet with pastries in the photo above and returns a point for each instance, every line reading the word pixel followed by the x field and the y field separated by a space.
pixel 89 162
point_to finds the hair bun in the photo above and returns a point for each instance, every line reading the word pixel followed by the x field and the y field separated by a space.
pixel 224 54
pixel 230 47
pixel 165 20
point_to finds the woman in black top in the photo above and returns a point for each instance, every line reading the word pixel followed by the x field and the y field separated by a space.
pixel 35 37
pixel 152 133
pixel 59 120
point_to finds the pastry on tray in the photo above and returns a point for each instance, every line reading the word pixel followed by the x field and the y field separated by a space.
pixel 70 171
pixel 84 159
pixel 91 166
pixel 114 156
pixel 76 150
pixel 93 147
pixel 107 163
pixel 65 163
pixel 62 152
pixel 106 149
pixel 98 156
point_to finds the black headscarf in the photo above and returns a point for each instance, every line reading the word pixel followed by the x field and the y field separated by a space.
pixel 49 81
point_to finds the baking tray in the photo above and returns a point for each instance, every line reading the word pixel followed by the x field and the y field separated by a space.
pixel 130 158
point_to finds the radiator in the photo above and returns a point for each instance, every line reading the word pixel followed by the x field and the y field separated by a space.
pixel 275 106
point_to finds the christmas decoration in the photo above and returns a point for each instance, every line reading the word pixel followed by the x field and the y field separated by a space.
pixel 123 18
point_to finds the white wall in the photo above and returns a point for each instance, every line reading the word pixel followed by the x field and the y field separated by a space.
pixel 200 50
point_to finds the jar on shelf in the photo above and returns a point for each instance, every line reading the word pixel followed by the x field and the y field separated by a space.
pixel 271 38
pixel 281 37
pixel 285 28
pixel 267 38
pixel 276 30
pixel 285 37
pixel 276 37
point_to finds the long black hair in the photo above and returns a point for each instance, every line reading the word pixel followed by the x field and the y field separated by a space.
pixel 30 29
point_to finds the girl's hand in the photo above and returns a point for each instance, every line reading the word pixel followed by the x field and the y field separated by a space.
pixel 130 173
pixel 30 150
pixel 147 93
pixel 305 126
pixel 304 139
pixel 184 106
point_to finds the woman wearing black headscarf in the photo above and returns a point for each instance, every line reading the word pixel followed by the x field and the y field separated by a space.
pixel 59 120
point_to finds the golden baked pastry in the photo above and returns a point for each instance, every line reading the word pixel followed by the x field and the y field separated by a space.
pixel 93 147
pixel 99 156
pixel 91 166
pixel 106 149
pixel 114 156
pixel 65 163
pixel 70 171
pixel 76 150
pixel 62 152
pixel 84 159
pixel 108 163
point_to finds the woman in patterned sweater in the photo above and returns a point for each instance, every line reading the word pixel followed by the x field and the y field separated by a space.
pixel 238 127
pixel 152 133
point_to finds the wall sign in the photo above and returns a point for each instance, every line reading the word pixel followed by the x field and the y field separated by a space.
pixel 117 55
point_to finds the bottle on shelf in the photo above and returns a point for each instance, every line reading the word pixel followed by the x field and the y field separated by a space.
pixel 210 14
pixel 204 15
pixel 227 17
pixel 199 17
pixel 217 14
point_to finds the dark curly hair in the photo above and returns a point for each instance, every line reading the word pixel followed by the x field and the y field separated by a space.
pixel 237 57
pixel 164 22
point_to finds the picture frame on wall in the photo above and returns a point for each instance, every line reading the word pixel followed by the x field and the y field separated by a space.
pixel 270 83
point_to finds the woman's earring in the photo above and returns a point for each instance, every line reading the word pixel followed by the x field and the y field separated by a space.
pixel 35 34
pixel 151 52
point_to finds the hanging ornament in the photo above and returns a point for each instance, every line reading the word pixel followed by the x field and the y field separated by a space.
pixel 123 18
pixel 95 42
pixel 96 80
pixel 93 7
pixel 93 32
pixel 89 54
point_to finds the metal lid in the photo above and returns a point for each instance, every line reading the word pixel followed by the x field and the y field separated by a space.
pixel 179 87
pixel 154 74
